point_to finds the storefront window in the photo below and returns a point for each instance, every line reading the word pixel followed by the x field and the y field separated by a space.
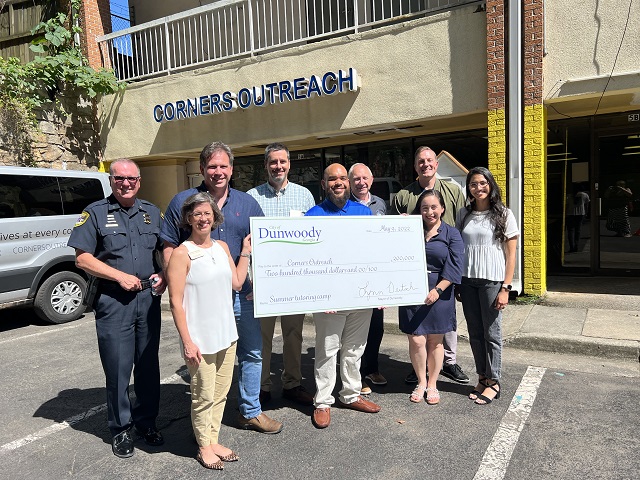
pixel 470 148
pixel 568 196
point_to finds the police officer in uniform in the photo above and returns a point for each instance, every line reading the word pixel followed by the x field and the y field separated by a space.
pixel 116 240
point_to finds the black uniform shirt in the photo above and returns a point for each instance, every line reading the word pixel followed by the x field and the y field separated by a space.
pixel 123 238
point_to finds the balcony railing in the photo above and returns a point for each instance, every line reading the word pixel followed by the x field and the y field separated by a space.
pixel 234 28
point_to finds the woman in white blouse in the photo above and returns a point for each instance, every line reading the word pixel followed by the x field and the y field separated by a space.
pixel 201 275
pixel 489 232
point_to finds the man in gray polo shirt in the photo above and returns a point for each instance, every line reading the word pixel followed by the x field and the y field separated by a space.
pixel 281 198
pixel 360 180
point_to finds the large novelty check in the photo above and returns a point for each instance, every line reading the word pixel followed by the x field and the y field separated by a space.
pixel 317 264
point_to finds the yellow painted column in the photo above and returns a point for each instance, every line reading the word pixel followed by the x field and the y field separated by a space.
pixel 497 139
pixel 534 228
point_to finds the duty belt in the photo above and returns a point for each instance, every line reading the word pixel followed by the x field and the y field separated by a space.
pixel 111 285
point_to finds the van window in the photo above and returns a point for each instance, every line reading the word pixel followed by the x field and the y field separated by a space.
pixel 77 193
pixel 30 196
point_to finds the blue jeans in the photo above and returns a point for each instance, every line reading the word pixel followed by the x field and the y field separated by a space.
pixel 484 324
pixel 249 353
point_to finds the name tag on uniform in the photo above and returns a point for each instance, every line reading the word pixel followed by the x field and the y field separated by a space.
pixel 196 254
pixel 147 218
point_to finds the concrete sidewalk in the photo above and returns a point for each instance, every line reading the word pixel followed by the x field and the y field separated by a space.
pixel 576 322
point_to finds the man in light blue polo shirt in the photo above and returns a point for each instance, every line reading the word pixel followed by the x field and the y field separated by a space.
pixel 281 198
pixel 345 331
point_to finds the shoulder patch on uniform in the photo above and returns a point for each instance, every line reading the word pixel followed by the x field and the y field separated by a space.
pixel 84 216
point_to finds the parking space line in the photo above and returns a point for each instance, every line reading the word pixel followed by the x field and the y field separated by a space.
pixel 498 454
pixel 57 330
pixel 50 430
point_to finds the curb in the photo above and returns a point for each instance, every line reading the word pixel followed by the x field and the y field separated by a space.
pixel 577 345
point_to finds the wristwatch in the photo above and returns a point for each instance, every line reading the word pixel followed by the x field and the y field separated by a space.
pixel 439 290
pixel 507 287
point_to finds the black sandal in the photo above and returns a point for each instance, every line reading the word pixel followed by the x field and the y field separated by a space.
pixel 477 393
pixel 486 399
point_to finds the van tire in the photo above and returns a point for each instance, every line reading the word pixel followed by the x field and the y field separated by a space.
pixel 59 298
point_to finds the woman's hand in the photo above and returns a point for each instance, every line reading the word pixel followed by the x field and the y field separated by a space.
pixel 192 354
pixel 432 297
pixel 246 244
pixel 502 300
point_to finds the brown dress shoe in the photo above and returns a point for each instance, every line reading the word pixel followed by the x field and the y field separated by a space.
pixel 321 417
pixel 361 405
pixel 298 394
pixel 261 423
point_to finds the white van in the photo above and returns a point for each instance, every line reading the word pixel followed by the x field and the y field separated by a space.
pixel 38 209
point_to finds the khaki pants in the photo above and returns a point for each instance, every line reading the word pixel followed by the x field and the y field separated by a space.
pixel 291 351
pixel 210 383
pixel 344 332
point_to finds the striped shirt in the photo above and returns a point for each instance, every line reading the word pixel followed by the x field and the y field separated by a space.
pixel 292 200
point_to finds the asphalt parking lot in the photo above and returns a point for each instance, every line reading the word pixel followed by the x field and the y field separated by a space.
pixel 559 417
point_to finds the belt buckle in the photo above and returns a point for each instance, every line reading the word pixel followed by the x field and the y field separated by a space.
pixel 146 283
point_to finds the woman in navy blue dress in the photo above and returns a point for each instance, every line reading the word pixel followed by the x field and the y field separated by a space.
pixel 426 324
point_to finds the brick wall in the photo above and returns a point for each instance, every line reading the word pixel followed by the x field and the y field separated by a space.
pixel 496 117
pixel 95 20
pixel 534 165
pixel 534 124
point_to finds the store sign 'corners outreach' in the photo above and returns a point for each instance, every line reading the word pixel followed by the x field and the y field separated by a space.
pixel 301 88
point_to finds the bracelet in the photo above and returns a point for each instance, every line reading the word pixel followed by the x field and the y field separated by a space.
pixel 246 255
pixel 439 290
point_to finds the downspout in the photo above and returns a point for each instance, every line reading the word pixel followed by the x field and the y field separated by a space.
pixel 515 131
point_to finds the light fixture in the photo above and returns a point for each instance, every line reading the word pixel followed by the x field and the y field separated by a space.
pixel 631 153
pixel 554 144
pixel 558 154
pixel 631 146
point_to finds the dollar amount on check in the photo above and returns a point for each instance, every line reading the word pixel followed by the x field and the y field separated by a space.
pixel 317 264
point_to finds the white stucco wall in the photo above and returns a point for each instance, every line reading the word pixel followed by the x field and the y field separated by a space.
pixel 582 40
pixel 424 69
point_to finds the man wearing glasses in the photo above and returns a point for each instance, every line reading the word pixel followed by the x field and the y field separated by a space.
pixel 426 166
pixel 116 241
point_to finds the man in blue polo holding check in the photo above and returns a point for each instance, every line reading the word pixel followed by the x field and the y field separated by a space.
pixel 343 331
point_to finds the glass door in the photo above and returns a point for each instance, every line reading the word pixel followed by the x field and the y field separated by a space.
pixel 617 209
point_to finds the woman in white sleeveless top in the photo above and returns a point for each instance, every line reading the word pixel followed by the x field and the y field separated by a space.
pixel 489 232
pixel 201 276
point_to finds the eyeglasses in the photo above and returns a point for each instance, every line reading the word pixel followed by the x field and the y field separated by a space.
pixel 119 179
pixel 199 215
pixel 478 184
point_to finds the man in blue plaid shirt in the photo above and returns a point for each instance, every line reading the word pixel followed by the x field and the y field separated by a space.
pixel 281 198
